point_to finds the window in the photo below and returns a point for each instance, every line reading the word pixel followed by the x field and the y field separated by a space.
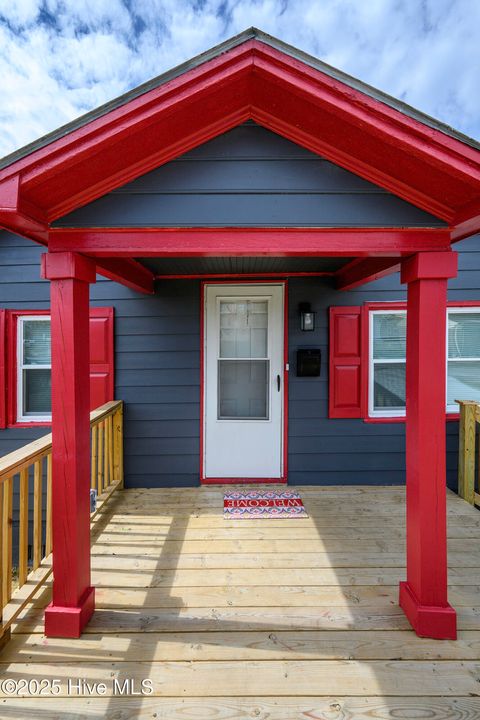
pixel 386 382
pixel 367 359
pixel 243 364
pixel 463 356
pixel 33 369
pixel 387 360
pixel 25 364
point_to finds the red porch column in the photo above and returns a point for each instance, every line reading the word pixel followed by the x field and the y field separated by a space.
pixel 423 596
pixel 73 598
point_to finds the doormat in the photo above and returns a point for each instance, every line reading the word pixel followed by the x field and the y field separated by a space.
pixel 254 505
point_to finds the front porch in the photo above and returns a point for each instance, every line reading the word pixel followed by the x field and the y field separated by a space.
pixel 261 618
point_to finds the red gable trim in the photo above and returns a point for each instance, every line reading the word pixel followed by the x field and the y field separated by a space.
pixel 417 162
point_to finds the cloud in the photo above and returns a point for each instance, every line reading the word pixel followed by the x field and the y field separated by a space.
pixel 61 58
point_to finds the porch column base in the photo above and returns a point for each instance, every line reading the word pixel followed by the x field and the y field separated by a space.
pixel 439 623
pixel 69 622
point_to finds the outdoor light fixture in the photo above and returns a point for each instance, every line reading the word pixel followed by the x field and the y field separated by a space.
pixel 307 317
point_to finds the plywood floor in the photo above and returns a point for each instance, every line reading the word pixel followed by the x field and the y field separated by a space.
pixel 277 619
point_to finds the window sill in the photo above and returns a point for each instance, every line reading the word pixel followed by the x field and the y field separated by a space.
pixel 449 417
pixel 386 419
pixel 34 423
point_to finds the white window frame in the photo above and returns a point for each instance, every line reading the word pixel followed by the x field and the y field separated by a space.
pixel 458 310
pixel 21 320
pixel 386 413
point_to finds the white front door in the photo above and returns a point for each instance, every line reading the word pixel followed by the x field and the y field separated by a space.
pixel 243 381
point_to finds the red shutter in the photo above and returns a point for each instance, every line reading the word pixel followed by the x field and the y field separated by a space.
pixel 345 384
pixel 101 357
pixel 3 369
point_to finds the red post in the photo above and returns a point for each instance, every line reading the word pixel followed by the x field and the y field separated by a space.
pixel 73 598
pixel 423 596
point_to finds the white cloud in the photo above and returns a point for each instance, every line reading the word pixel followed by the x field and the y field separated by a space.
pixel 60 58
pixel 21 12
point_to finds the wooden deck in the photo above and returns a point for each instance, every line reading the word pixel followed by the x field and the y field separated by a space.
pixel 277 619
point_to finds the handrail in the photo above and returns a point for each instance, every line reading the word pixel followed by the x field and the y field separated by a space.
pixel 469 417
pixel 30 467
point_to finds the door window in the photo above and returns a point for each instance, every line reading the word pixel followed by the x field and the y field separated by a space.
pixel 243 363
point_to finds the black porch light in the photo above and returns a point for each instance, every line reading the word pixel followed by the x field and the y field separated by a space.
pixel 307 317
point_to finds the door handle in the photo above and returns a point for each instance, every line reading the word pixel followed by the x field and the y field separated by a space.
pixel 278 383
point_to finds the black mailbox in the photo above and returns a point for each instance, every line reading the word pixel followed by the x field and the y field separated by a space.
pixel 308 362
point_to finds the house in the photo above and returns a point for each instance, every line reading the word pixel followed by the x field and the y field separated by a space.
pixel 233 249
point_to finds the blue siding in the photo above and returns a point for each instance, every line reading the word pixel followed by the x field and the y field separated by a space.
pixel 249 177
pixel 157 363
pixel 157 341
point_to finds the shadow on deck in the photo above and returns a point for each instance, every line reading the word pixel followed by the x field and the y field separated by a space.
pixel 281 618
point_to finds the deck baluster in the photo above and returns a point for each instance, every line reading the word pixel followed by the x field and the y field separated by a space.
pixel 16 467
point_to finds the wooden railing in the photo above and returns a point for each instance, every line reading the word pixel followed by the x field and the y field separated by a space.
pixel 468 478
pixel 27 473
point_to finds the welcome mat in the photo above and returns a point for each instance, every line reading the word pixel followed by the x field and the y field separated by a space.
pixel 253 505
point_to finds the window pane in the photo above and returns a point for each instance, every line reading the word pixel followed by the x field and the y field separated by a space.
pixel 463 381
pixel 36 342
pixel 37 392
pixel 243 389
pixel 463 335
pixel 243 329
pixel 388 385
pixel 389 335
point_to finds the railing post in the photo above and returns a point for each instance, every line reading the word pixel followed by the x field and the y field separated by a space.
pixel 23 540
pixel 118 446
pixel 7 520
pixel 5 552
pixel 466 451
pixel 5 636
pixel 48 526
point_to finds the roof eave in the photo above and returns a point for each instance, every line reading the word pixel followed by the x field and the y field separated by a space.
pixel 251 33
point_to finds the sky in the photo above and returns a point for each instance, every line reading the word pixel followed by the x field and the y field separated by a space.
pixel 62 58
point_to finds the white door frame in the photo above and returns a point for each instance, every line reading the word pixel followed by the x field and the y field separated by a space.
pixel 284 377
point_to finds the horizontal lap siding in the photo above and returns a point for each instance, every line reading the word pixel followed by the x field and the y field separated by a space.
pixel 157 366
pixel 157 358
pixel 249 177
pixel 327 451
pixel 243 209
pixel 20 288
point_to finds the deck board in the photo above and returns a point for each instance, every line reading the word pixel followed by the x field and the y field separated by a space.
pixel 263 708
pixel 282 619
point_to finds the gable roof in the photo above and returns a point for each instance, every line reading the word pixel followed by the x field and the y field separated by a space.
pixel 249 34
pixel 251 76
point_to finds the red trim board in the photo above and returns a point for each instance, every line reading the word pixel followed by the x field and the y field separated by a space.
pixel 248 241
pixel 3 368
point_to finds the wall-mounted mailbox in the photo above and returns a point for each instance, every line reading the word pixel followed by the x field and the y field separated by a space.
pixel 308 362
